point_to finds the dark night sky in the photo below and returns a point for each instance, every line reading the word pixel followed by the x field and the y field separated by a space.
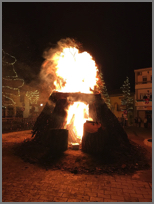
pixel 118 35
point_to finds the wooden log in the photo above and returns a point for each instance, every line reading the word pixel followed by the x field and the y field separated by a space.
pixel 42 120
pixel 58 116
pixel 56 140
pixel 73 96
pixel 48 119
pixel 117 138
pixel 93 138
pixel 92 111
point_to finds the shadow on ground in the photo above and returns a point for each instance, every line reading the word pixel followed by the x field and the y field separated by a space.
pixel 78 162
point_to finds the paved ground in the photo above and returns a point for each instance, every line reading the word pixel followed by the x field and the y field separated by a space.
pixel 25 182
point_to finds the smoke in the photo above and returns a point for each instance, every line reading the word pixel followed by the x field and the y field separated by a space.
pixel 49 67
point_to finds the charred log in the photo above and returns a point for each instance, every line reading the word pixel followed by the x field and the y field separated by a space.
pixel 57 118
pixel 42 120
pixel 110 136
pixel 48 119
pixel 93 139
pixel 73 96
pixel 56 140
pixel 116 136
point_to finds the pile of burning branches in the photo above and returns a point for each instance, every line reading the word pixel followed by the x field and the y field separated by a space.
pixel 104 133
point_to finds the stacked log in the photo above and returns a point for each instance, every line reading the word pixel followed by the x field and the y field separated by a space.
pixel 57 118
pixel 49 127
pixel 109 134
pixel 55 96
pixel 41 123
pixel 93 137
pixel 56 140
pixel 110 137
pixel 117 139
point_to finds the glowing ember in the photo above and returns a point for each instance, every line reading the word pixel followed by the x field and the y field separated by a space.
pixel 71 71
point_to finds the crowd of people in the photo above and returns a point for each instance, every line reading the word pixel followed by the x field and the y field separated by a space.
pixel 123 121
pixel 137 121
pixel 147 121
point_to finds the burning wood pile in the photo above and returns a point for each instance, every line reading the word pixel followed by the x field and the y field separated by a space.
pixel 75 111
pixel 51 122
pixel 105 133
pixel 76 114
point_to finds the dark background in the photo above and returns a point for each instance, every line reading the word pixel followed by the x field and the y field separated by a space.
pixel 118 35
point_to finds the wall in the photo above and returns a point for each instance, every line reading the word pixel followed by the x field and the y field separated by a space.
pixel 142 108
pixel 115 103
pixel 26 111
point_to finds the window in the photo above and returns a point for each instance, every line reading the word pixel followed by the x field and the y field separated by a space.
pixel 144 97
pixel 139 73
pixel 144 79
pixel 141 96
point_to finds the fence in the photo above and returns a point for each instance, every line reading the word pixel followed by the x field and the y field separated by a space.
pixel 17 124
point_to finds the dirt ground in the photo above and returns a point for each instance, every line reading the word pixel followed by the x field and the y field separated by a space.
pixel 78 162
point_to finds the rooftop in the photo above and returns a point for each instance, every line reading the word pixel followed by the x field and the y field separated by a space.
pixel 143 69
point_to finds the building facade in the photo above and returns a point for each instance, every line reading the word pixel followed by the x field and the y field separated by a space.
pixel 143 93
pixel 118 109
pixel 115 99
pixel 21 105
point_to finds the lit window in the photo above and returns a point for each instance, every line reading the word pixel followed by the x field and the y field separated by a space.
pixel 144 79
pixel 141 96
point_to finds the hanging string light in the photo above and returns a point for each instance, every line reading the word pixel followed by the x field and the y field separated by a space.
pixel 33 96
pixel 11 79
pixel 9 63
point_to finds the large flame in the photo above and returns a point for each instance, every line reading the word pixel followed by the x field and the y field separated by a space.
pixel 78 113
pixel 71 71
pixel 78 71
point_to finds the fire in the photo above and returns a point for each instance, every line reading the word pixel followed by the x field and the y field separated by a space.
pixel 77 71
pixel 78 113
pixel 72 71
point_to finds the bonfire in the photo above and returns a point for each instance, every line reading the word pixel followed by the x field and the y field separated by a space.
pixel 75 111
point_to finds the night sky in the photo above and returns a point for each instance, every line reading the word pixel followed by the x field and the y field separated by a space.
pixel 117 35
